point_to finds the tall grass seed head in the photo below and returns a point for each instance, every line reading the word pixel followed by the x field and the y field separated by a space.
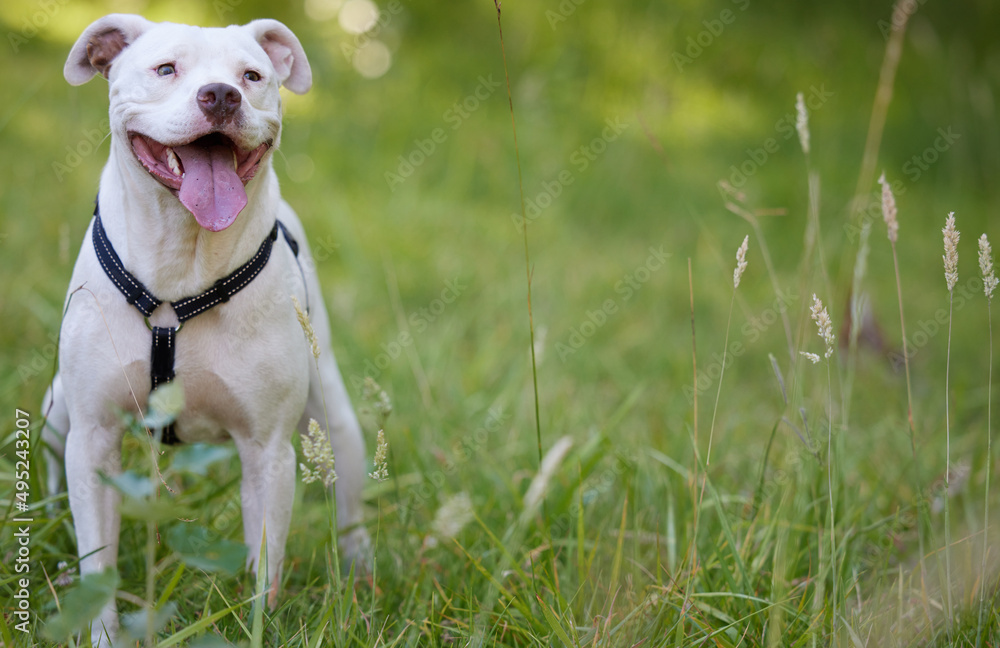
pixel 889 209
pixel 372 392
pixel 986 267
pixel 455 513
pixel 951 236
pixel 307 326
pixel 812 357
pixel 539 486
pixel 741 261
pixel 802 122
pixel 819 315
pixel 65 577
pixel 381 460
pixel 317 451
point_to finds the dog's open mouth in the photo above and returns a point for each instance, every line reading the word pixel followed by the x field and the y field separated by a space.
pixel 208 175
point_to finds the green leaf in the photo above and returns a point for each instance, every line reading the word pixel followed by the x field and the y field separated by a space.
pixel 135 622
pixel 197 458
pixel 131 484
pixel 554 624
pixel 82 604
pixel 165 403
pixel 203 549
pixel 156 420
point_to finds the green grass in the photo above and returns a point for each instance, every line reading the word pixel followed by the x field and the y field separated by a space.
pixel 617 558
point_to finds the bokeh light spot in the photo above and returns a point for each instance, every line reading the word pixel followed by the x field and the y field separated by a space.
pixel 358 16
pixel 373 59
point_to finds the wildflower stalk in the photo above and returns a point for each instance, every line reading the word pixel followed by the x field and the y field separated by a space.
pixel 880 108
pixel 741 265
pixel 307 330
pixel 989 283
pixel 546 531
pixel 750 217
pixel 951 236
pixel 524 231
pixel 381 473
pixel 833 500
pixel 824 325
pixel 812 240
pixel 892 229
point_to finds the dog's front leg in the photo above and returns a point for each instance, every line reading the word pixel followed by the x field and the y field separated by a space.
pixel 267 493
pixel 95 506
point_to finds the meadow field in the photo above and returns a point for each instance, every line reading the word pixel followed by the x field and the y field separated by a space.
pixel 639 456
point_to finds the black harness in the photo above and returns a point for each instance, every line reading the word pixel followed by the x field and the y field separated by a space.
pixel 161 365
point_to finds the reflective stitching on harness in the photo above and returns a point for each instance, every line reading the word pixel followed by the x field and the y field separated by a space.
pixel 120 273
pixel 250 266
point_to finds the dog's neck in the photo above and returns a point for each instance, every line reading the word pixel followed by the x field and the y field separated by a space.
pixel 160 242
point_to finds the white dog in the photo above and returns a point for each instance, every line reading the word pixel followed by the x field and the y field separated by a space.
pixel 187 233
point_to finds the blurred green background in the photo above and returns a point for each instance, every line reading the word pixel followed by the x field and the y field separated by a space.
pixel 694 89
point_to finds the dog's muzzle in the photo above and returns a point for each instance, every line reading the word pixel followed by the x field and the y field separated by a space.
pixel 208 174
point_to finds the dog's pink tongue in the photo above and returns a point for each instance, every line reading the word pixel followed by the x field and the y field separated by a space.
pixel 211 189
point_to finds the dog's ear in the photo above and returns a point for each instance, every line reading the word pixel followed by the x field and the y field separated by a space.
pixel 100 44
pixel 285 52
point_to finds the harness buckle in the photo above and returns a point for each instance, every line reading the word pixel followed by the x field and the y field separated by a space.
pixel 142 300
pixel 221 291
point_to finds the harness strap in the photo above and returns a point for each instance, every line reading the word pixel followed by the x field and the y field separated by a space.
pixel 224 288
pixel 161 363
pixel 135 293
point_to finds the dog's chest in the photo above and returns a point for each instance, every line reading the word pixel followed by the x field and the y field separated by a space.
pixel 242 373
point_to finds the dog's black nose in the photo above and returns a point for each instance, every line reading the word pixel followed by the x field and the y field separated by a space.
pixel 219 101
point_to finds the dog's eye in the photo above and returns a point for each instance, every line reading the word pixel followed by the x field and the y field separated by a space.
pixel 251 75
pixel 166 69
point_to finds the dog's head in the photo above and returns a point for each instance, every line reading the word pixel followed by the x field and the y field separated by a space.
pixel 199 108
